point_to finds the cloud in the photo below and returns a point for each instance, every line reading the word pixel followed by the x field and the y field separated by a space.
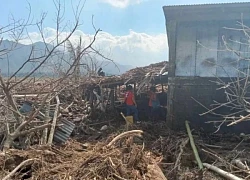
pixel 137 49
pixel 122 3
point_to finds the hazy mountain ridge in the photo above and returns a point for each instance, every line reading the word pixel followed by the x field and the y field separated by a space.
pixel 18 53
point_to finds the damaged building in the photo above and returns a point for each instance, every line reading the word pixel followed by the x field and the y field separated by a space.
pixel 198 57
pixel 111 89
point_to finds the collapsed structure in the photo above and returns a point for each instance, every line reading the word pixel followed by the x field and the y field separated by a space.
pixel 111 88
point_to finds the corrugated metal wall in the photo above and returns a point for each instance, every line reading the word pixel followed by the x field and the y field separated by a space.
pixel 200 50
pixel 63 132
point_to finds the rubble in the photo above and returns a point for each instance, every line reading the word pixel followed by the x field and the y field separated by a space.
pixel 74 160
pixel 91 144
pixel 129 158
pixel 133 75
pixel 142 71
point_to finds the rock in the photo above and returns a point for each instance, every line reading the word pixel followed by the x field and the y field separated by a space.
pixel 104 128
pixel 77 119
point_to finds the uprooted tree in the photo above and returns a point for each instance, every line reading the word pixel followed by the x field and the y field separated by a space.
pixel 17 125
pixel 237 88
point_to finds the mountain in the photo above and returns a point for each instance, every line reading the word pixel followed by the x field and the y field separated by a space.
pixel 13 55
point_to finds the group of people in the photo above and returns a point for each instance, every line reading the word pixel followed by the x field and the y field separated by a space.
pixel 131 105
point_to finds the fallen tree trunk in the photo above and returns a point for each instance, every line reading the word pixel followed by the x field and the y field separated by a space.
pixel 221 172
pixel 11 137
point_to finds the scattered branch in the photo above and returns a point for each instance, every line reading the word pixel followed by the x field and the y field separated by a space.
pixel 182 146
pixel 125 134
pixel 221 172
pixel 22 165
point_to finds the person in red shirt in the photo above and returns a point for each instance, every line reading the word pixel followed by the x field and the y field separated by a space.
pixel 131 106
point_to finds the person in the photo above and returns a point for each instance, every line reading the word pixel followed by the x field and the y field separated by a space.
pixel 131 106
pixel 100 72
pixel 153 103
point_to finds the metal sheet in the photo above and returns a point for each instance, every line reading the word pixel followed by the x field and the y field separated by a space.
pixel 26 107
pixel 185 50
pixel 63 132
pixel 227 60
pixel 207 44
pixel 206 4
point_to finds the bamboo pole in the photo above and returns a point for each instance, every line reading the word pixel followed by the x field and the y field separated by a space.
pixel 196 154
pixel 221 172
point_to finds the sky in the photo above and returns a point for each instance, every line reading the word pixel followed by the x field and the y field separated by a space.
pixel 133 31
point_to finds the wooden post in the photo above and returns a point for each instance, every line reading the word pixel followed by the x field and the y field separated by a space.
pixel 91 98
pixel 44 138
pixel 171 33
pixel 112 97
pixel 119 91
pixel 86 94
pixel 115 93
pixel 135 89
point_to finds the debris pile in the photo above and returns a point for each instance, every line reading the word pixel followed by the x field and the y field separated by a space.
pixel 142 71
pixel 133 75
pixel 158 154
pixel 119 159
pixel 88 143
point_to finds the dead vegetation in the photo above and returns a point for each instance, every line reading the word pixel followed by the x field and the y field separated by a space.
pixel 135 75
pixel 117 156
pixel 49 130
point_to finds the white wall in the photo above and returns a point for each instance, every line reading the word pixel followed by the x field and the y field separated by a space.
pixel 200 50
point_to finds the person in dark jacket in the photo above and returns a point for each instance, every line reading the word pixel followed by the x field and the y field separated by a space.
pixel 100 72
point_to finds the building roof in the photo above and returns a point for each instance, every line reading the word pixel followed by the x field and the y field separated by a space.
pixel 142 71
pixel 219 11
pixel 209 4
